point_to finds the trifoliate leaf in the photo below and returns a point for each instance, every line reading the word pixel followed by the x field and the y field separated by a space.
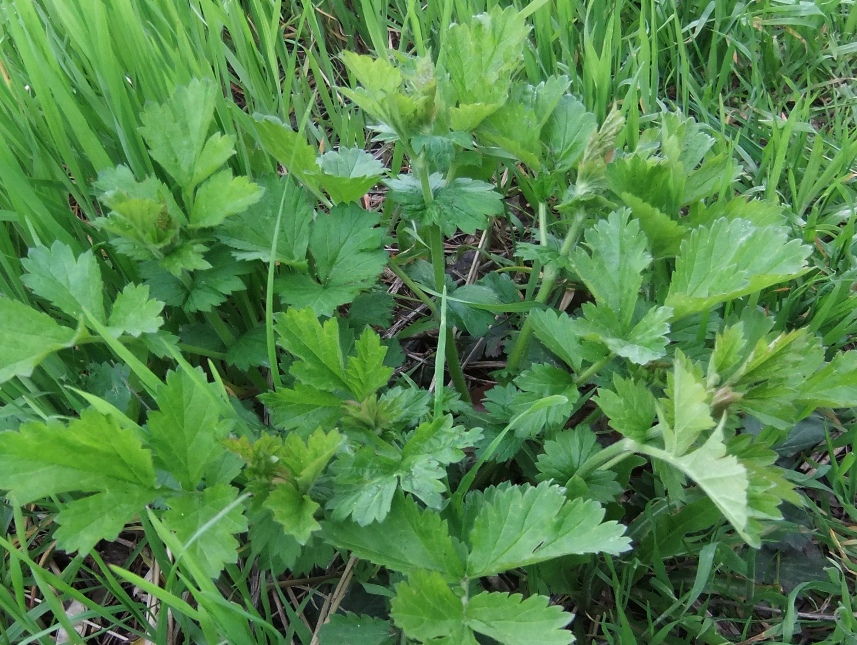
pixel 353 629
pixel 512 619
pixel 366 484
pixel 186 430
pixel 321 364
pixel 71 284
pixel 250 234
pixel 613 269
pixel 663 233
pixel 26 337
pixel 515 526
pixel 631 408
pixel 85 522
pixel 134 313
pixel 48 458
pixel 731 259
pixel 642 344
pixel 249 350
pixel 348 173
pixel 654 181
pixel 566 133
pixel 294 511
pixel 220 196
pixel 409 539
pixel 205 530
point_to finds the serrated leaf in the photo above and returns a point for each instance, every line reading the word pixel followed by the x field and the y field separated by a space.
pixel 644 342
pixel 220 196
pixel 348 173
pixel 663 233
pixel 512 619
pixel 563 457
pixel 26 337
pixel 835 385
pixel 346 247
pixel 481 56
pixel 630 408
pixel 134 313
pixel 307 460
pixel 366 372
pixel 301 407
pixel 425 608
pixel 409 539
pixel 251 233
pixel 688 409
pixel 463 203
pixel 556 333
pixel 353 629
pixel 613 268
pixel 289 148
pixel 46 458
pixel 730 259
pixel 206 532
pixel 294 511
pixel 566 133
pixel 84 522
pixel 71 284
pixel 515 526
pixel 175 131
pixel 186 430
pixel 321 364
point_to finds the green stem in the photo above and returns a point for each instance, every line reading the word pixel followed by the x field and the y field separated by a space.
pixel 611 454
pixel 590 371
pixel 551 274
pixel 413 286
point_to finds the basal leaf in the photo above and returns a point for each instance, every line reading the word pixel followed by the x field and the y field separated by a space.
pixel 250 234
pixel 44 459
pixel 687 410
pixel 366 372
pixel 425 608
pixel 481 56
pixel 302 407
pixel 321 364
pixel 134 313
pixel 206 532
pixel 220 196
pixel 563 457
pixel 307 459
pixel 566 133
pixel 515 526
pixel 556 333
pixel 645 342
pixel 175 131
pixel 186 430
pixel 613 268
pixel 348 173
pixel 351 629
pixel 408 540
pixel 631 408
pixel 730 259
pixel 835 385
pixel 512 619
pixel 294 511
pixel 289 148
pixel 84 522
pixel 71 284
pixel 26 337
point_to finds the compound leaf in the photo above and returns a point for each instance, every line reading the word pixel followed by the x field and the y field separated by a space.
pixel 321 364
pixel 512 619
pixel 220 196
pixel 348 173
pixel 294 511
